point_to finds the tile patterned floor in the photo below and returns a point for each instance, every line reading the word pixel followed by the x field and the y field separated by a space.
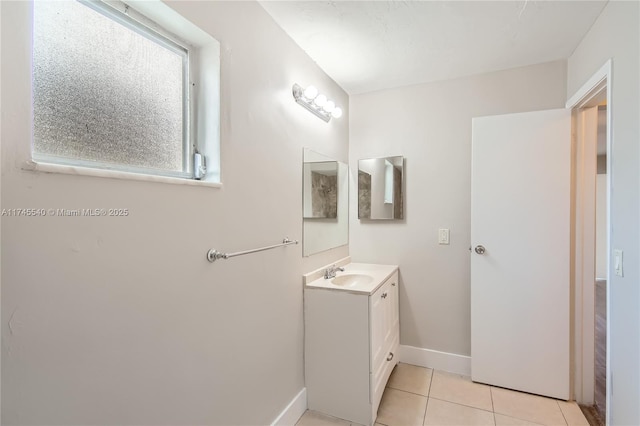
pixel 417 396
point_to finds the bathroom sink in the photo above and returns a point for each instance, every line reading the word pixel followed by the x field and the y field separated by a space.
pixel 352 280
pixel 362 278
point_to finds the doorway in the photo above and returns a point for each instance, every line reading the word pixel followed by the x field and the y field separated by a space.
pixel 591 118
pixel 600 330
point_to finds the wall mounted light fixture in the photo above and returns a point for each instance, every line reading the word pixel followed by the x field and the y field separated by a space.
pixel 317 103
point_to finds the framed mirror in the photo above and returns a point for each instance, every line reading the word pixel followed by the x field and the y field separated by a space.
pixel 325 203
pixel 381 188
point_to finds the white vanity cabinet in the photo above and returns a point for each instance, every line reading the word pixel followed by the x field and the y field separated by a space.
pixel 351 344
pixel 385 336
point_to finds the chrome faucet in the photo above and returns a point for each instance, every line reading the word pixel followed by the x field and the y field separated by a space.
pixel 330 272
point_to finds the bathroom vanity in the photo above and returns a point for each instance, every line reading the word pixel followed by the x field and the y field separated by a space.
pixel 351 339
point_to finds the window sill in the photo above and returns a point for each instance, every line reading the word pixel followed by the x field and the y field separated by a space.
pixel 113 174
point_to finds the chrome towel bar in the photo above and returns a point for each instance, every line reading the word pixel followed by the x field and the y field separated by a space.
pixel 213 254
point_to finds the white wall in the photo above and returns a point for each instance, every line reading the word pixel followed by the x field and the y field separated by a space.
pixel 616 35
pixel 430 124
pixel 122 320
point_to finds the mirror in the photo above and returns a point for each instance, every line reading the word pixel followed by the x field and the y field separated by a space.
pixel 325 203
pixel 381 188
pixel 320 190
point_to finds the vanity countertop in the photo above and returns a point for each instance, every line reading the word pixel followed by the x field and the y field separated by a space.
pixel 361 278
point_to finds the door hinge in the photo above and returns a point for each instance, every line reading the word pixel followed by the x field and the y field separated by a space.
pixel 199 165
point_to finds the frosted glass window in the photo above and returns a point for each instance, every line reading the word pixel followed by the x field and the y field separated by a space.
pixel 107 92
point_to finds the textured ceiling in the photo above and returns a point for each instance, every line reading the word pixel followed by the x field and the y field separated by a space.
pixel 372 45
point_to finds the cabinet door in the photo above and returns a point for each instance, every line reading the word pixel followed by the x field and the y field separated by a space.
pixel 390 312
pixel 378 326
pixel 378 317
pixel 393 315
pixel 384 337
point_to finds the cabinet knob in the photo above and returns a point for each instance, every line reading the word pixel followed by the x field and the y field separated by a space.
pixel 393 284
pixel 390 357
pixel 384 295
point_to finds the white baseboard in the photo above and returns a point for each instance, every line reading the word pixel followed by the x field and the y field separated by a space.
pixel 292 412
pixel 443 361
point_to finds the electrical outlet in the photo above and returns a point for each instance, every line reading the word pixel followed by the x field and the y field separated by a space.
pixel 443 236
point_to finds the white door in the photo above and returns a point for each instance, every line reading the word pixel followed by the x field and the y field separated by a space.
pixel 520 215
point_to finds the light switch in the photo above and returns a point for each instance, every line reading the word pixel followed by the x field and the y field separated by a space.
pixel 443 236
pixel 617 263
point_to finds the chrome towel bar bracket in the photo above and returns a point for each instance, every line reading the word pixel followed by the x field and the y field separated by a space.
pixel 213 254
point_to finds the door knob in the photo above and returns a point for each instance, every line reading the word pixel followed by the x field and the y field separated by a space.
pixel 480 249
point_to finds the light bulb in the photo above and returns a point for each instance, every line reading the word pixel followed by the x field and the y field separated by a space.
pixel 320 100
pixel 336 113
pixel 310 92
pixel 329 106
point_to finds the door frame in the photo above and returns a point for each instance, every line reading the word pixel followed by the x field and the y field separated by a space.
pixel 583 267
